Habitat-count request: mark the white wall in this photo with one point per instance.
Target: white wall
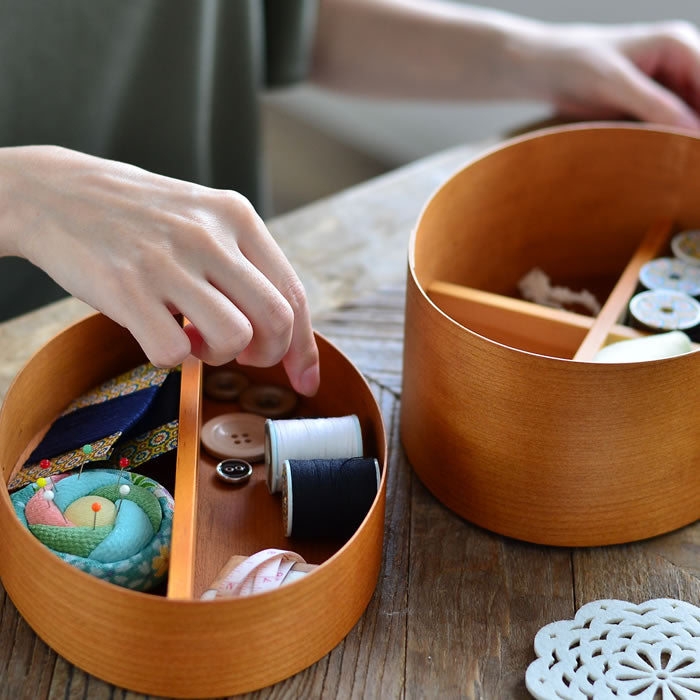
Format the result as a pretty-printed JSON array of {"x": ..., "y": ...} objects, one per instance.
[{"x": 400, "y": 132}]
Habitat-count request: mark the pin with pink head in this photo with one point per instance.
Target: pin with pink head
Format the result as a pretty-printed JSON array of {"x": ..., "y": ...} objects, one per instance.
[
  {"x": 45, "y": 465},
  {"x": 123, "y": 464}
]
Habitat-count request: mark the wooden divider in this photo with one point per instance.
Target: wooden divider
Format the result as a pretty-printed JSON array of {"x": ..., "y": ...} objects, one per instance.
[
  {"x": 654, "y": 241},
  {"x": 548, "y": 331},
  {"x": 518, "y": 323},
  {"x": 182, "y": 549}
]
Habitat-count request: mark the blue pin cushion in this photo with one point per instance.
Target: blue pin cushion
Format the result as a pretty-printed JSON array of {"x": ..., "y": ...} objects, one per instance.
[{"x": 122, "y": 537}]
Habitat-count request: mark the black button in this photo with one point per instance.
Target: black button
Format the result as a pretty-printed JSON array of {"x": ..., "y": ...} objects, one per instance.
[{"x": 234, "y": 471}]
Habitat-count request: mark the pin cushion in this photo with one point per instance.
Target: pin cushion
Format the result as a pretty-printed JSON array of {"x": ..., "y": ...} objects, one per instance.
[{"x": 127, "y": 545}]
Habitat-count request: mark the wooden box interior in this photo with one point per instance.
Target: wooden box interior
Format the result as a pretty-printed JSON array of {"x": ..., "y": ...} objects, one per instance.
[
  {"x": 169, "y": 642},
  {"x": 504, "y": 416}
]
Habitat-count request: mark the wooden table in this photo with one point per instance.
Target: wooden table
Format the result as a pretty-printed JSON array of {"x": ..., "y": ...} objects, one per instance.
[{"x": 456, "y": 607}]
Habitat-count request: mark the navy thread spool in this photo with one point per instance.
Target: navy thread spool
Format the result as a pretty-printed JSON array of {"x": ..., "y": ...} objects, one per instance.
[
  {"x": 327, "y": 497},
  {"x": 309, "y": 438},
  {"x": 665, "y": 310}
]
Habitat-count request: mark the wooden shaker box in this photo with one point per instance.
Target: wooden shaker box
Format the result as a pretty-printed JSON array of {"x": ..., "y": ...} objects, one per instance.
[
  {"x": 175, "y": 644},
  {"x": 504, "y": 417}
]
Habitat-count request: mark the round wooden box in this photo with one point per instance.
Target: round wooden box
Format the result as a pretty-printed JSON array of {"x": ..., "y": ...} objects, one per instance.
[
  {"x": 504, "y": 417},
  {"x": 175, "y": 644}
]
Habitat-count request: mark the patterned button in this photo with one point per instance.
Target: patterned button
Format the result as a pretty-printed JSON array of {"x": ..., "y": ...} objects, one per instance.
[
  {"x": 225, "y": 385},
  {"x": 235, "y": 436},
  {"x": 269, "y": 400}
]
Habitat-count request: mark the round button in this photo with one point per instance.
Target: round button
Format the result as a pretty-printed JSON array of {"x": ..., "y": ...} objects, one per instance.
[
  {"x": 234, "y": 471},
  {"x": 269, "y": 400},
  {"x": 235, "y": 436},
  {"x": 225, "y": 385}
]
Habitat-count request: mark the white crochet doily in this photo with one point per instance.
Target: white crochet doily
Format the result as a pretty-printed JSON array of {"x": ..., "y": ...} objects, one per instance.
[{"x": 613, "y": 649}]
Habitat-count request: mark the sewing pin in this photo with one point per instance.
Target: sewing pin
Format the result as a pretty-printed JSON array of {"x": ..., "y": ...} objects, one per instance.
[
  {"x": 124, "y": 491},
  {"x": 48, "y": 497},
  {"x": 123, "y": 463},
  {"x": 87, "y": 450},
  {"x": 96, "y": 508},
  {"x": 45, "y": 465},
  {"x": 41, "y": 482}
]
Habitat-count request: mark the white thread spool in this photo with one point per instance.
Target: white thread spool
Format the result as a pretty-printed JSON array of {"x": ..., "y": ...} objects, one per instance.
[
  {"x": 671, "y": 274},
  {"x": 652, "y": 347},
  {"x": 686, "y": 246},
  {"x": 309, "y": 438}
]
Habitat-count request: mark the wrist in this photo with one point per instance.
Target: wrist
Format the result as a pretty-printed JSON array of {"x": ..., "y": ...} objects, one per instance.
[
  {"x": 22, "y": 169},
  {"x": 9, "y": 196},
  {"x": 523, "y": 47}
]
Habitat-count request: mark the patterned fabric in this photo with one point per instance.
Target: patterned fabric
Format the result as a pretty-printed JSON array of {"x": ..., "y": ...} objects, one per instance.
[
  {"x": 133, "y": 415},
  {"x": 101, "y": 449},
  {"x": 142, "y": 377},
  {"x": 128, "y": 552},
  {"x": 146, "y": 447}
]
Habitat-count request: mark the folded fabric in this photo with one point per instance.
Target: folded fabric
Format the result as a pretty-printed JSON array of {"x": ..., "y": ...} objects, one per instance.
[
  {"x": 128, "y": 546},
  {"x": 133, "y": 415}
]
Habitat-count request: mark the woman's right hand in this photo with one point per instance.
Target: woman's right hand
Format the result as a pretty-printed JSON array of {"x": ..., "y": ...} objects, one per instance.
[{"x": 140, "y": 247}]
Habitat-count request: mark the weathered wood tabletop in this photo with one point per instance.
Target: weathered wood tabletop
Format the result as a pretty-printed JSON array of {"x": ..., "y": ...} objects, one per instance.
[{"x": 456, "y": 607}]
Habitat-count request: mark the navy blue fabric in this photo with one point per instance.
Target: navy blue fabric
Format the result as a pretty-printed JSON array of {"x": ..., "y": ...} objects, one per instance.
[
  {"x": 91, "y": 423},
  {"x": 164, "y": 408}
]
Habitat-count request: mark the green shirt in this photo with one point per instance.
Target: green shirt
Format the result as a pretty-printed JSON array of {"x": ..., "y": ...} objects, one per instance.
[{"x": 169, "y": 85}]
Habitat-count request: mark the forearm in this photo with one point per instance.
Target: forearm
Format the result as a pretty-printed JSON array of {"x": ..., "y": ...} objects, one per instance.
[{"x": 432, "y": 49}]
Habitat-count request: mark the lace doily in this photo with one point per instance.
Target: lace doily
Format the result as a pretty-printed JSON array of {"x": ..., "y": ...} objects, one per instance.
[{"x": 613, "y": 649}]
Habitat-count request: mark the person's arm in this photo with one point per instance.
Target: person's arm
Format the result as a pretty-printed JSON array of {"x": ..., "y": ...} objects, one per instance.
[
  {"x": 140, "y": 247},
  {"x": 445, "y": 50}
]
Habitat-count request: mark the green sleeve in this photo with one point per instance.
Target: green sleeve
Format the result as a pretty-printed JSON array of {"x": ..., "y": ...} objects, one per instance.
[{"x": 290, "y": 26}]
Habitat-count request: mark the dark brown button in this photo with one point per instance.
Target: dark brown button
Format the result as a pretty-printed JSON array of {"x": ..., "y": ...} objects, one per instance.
[
  {"x": 235, "y": 436},
  {"x": 269, "y": 400},
  {"x": 225, "y": 384},
  {"x": 234, "y": 471}
]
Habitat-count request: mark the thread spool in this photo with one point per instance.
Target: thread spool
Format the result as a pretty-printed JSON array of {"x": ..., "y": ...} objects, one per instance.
[
  {"x": 671, "y": 273},
  {"x": 651, "y": 347},
  {"x": 309, "y": 438},
  {"x": 665, "y": 310},
  {"x": 327, "y": 497},
  {"x": 686, "y": 246}
]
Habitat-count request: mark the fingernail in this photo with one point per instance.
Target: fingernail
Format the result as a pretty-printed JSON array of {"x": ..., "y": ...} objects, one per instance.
[{"x": 309, "y": 380}]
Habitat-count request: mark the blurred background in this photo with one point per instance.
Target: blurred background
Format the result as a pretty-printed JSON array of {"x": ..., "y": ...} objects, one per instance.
[{"x": 317, "y": 143}]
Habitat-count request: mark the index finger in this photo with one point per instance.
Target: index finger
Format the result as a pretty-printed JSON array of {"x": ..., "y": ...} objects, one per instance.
[{"x": 301, "y": 361}]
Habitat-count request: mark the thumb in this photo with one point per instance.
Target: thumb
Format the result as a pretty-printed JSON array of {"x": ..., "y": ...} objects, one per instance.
[{"x": 635, "y": 93}]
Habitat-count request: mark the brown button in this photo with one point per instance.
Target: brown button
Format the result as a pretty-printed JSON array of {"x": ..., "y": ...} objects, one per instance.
[
  {"x": 269, "y": 400},
  {"x": 235, "y": 436},
  {"x": 225, "y": 384}
]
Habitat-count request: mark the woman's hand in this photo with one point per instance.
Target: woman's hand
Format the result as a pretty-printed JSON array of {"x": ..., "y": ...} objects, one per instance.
[
  {"x": 647, "y": 71},
  {"x": 140, "y": 247}
]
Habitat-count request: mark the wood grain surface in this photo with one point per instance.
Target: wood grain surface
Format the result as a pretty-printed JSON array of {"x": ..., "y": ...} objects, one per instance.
[{"x": 456, "y": 608}]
